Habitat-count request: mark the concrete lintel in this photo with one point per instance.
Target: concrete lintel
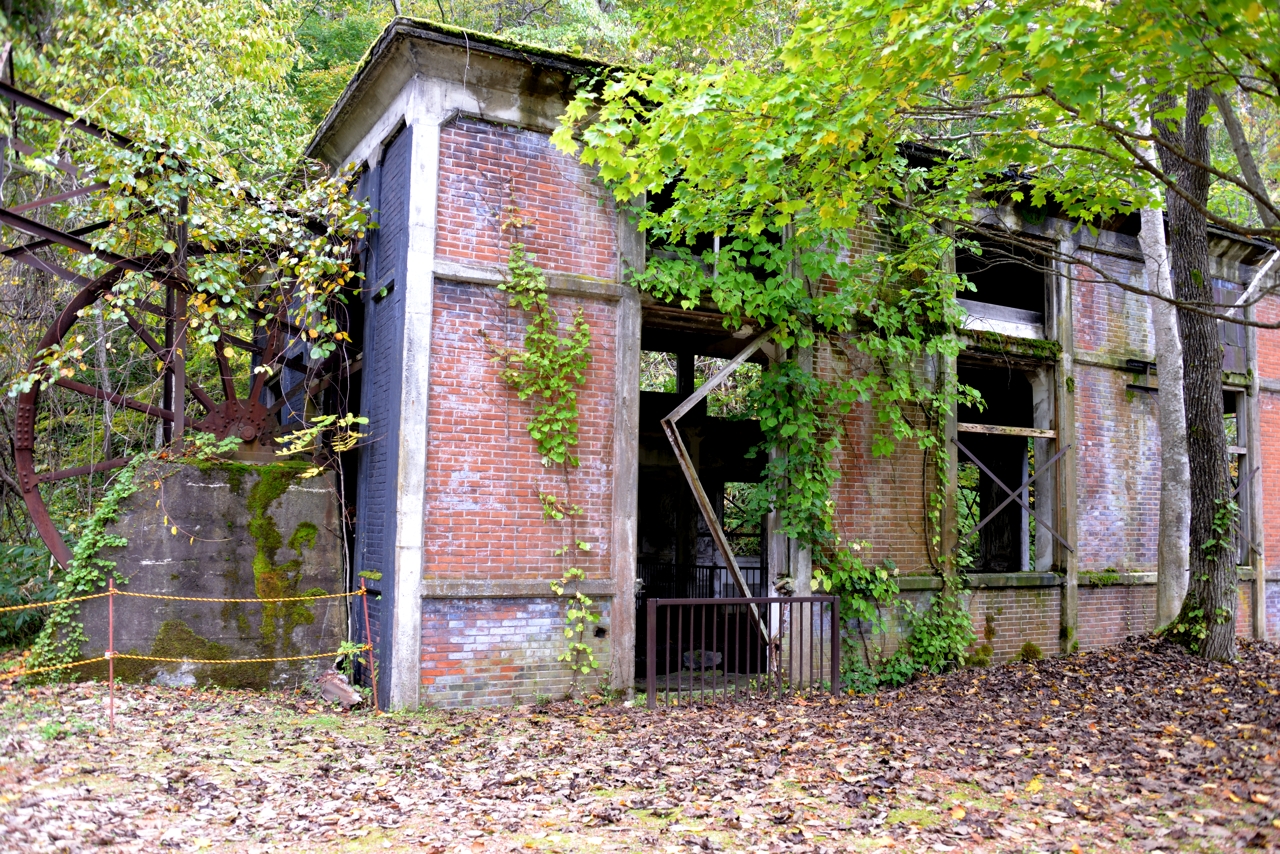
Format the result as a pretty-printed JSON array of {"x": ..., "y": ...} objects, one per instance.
[
  {"x": 984, "y": 581},
  {"x": 559, "y": 284},
  {"x": 479, "y": 588},
  {"x": 1116, "y": 579},
  {"x": 919, "y": 582},
  {"x": 1014, "y": 579}
]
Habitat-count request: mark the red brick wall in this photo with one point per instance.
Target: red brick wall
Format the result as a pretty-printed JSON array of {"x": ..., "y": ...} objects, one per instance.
[
  {"x": 880, "y": 499},
  {"x": 1117, "y": 473},
  {"x": 1268, "y": 311},
  {"x": 480, "y": 652},
  {"x": 483, "y": 516},
  {"x": 1273, "y": 611},
  {"x": 1008, "y": 618},
  {"x": 1108, "y": 615},
  {"x": 1106, "y": 318},
  {"x": 1244, "y": 610},
  {"x": 486, "y": 170},
  {"x": 1117, "y": 431},
  {"x": 484, "y": 521}
]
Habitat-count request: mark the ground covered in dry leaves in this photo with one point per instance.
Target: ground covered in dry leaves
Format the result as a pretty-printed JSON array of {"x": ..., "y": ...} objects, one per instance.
[{"x": 1139, "y": 748}]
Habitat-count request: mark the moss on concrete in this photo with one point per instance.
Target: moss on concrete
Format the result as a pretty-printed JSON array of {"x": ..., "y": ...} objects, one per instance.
[
  {"x": 278, "y": 580},
  {"x": 982, "y": 341}
]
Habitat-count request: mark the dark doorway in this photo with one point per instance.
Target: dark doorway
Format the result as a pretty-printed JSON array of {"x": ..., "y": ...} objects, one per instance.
[{"x": 677, "y": 557}]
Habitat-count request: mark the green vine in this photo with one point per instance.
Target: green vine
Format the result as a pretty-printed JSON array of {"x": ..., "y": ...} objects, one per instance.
[
  {"x": 857, "y": 330},
  {"x": 549, "y": 370},
  {"x": 1224, "y": 519},
  {"x": 63, "y": 635},
  {"x": 580, "y": 656}
]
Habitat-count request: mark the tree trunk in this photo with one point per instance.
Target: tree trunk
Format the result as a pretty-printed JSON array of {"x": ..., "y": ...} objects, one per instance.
[
  {"x": 1173, "y": 553},
  {"x": 1207, "y": 619}
]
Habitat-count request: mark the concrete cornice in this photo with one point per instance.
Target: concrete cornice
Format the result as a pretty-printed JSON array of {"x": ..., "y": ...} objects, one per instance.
[
  {"x": 482, "y": 75},
  {"x": 559, "y": 284}
]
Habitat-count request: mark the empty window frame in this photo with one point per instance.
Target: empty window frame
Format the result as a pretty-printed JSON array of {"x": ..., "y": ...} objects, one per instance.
[
  {"x": 999, "y": 443},
  {"x": 1011, "y": 285}
]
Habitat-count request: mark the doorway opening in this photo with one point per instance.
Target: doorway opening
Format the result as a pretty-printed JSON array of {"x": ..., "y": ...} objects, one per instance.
[{"x": 676, "y": 555}]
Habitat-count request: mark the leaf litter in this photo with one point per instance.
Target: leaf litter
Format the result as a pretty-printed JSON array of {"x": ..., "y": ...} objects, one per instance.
[{"x": 1134, "y": 748}]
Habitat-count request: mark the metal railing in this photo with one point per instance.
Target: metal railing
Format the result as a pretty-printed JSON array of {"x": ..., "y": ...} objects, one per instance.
[
  {"x": 712, "y": 649},
  {"x": 662, "y": 580}
]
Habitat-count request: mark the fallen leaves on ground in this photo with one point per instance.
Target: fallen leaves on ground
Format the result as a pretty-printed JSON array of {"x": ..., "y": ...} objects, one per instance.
[{"x": 1137, "y": 748}]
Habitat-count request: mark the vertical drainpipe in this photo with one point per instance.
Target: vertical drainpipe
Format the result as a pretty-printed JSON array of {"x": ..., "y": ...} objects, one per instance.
[
  {"x": 1254, "y": 487},
  {"x": 419, "y": 284},
  {"x": 626, "y": 456},
  {"x": 1067, "y": 436}
]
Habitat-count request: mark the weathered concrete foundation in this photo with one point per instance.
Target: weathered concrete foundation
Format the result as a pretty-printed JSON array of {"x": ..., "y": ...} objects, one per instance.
[{"x": 242, "y": 532}]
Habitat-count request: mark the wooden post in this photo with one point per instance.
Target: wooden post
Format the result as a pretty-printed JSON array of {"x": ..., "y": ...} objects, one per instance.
[
  {"x": 368, "y": 636},
  {"x": 111, "y": 652}
]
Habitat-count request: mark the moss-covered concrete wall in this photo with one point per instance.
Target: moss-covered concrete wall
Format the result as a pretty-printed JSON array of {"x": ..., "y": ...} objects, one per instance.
[{"x": 225, "y": 531}]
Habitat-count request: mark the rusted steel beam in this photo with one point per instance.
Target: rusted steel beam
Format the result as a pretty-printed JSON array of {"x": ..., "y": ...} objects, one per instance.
[
  {"x": 64, "y": 165},
  {"x": 691, "y": 473},
  {"x": 117, "y": 399},
  {"x": 45, "y": 232},
  {"x": 61, "y": 197},
  {"x": 319, "y": 383},
  {"x": 26, "y": 248},
  {"x": 16, "y": 95},
  {"x": 155, "y": 347},
  {"x": 63, "y": 474},
  {"x": 38, "y": 263}
]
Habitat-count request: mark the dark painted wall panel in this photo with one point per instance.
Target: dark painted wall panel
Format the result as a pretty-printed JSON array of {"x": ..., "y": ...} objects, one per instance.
[{"x": 381, "y": 380}]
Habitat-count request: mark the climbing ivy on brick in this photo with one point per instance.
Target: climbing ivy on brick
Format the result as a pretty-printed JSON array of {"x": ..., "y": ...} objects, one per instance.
[{"x": 549, "y": 369}]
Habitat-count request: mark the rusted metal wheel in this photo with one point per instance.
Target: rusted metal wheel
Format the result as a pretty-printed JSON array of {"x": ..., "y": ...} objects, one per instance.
[{"x": 139, "y": 381}]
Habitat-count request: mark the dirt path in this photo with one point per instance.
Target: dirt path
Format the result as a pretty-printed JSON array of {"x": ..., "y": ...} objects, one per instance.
[{"x": 1138, "y": 748}]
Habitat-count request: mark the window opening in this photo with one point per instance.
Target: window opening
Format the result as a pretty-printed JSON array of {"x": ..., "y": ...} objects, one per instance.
[
  {"x": 1241, "y": 475},
  {"x": 1010, "y": 283},
  {"x": 1001, "y": 523},
  {"x": 676, "y": 553},
  {"x": 659, "y": 372}
]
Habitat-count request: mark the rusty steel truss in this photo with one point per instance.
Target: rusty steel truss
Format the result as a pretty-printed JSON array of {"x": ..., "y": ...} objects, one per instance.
[{"x": 253, "y": 418}]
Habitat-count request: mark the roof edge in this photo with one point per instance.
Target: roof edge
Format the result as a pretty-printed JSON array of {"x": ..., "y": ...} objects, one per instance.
[{"x": 403, "y": 27}]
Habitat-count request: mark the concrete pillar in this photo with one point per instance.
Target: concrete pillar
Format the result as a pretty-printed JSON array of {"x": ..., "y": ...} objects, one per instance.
[
  {"x": 1254, "y": 524},
  {"x": 424, "y": 117},
  {"x": 626, "y": 460},
  {"x": 1064, "y": 388},
  {"x": 1043, "y": 388}
]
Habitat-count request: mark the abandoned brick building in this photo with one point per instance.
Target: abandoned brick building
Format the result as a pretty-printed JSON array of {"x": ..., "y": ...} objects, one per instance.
[{"x": 453, "y": 131}]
